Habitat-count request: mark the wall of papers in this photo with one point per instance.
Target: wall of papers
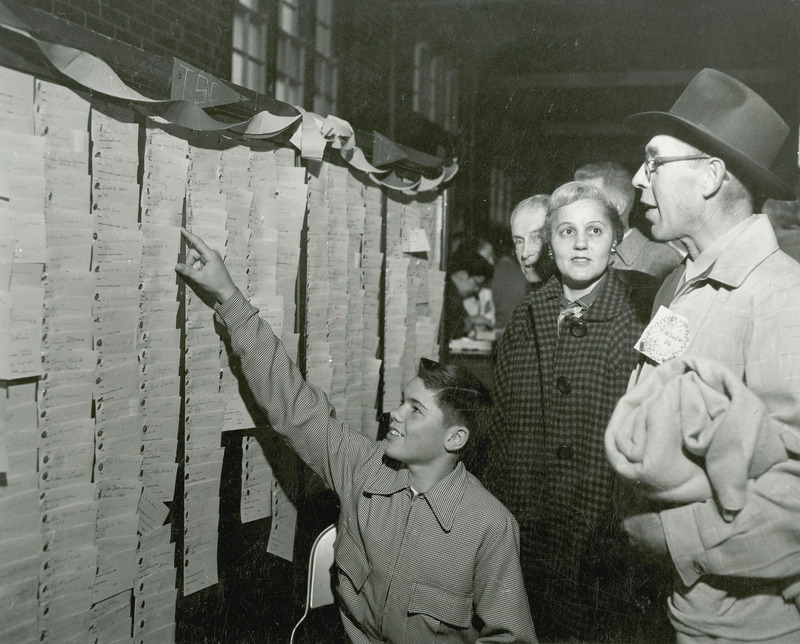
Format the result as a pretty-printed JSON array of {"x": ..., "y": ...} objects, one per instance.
[{"x": 115, "y": 387}]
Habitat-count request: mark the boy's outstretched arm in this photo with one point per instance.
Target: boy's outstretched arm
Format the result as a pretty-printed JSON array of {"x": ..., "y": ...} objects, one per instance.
[{"x": 296, "y": 409}]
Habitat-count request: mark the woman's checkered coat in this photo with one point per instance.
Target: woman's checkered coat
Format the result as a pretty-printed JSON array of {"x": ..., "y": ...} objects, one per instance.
[{"x": 555, "y": 394}]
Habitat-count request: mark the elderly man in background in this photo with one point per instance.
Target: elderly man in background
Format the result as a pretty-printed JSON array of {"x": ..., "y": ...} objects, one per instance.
[
  {"x": 636, "y": 251},
  {"x": 510, "y": 287},
  {"x": 734, "y": 302}
]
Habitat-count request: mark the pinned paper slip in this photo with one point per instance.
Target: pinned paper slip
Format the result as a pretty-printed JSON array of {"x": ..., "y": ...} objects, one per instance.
[{"x": 666, "y": 337}]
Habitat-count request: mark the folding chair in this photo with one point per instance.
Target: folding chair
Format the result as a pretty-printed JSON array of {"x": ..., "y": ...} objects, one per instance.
[{"x": 319, "y": 591}]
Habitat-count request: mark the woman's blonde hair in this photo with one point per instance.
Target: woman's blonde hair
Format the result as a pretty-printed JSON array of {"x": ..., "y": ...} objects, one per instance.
[{"x": 572, "y": 192}]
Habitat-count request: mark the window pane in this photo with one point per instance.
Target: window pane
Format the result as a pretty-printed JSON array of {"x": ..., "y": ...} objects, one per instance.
[
  {"x": 281, "y": 62},
  {"x": 250, "y": 4},
  {"x": 281, "y": 90},
  {"x": 262, "y": 55},
  {"x": 254, "y": 44},
  {"x": 324, "y": 40},
  {"x": 325, "y": 11},
  {"x": 255, "y": 76},
  {"x": 296, "y": 53},
  {"x": 239, "y": 23},
  {"x": 288, "y": 16},
  {"x": 237, "y": 69},
  {"x": 334, "y": 87}
]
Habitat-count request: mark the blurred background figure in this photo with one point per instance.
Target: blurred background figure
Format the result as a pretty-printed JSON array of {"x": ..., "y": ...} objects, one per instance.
[
  {"x": 482, "y": 303},
  {"x": 785, "y": 219},
  {"x": 509, "y": 285},
  {"x": 636, "y": 251},
  {"x": 467, "y": 271},
  {"x": 520, "y": 266},
  {"x": 527, "y": 220}
]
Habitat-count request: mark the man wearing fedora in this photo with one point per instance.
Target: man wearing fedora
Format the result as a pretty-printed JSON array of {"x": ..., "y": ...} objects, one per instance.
[{"x": 734, "y": 301}]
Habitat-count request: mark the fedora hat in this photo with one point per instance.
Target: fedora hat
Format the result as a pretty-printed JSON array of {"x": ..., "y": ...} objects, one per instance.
[{"x": 725, "y": 118}]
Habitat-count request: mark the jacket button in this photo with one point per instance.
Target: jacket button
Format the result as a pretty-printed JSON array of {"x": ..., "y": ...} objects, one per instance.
[
  {"x": 564, "y": 452},
  {"x": 563, "y": 384}
]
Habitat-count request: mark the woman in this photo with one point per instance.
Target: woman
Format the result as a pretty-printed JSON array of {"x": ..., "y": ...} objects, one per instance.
[{"x": 563, "y": 363}]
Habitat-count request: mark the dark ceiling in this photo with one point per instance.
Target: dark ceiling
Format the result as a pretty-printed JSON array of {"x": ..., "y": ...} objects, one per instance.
[{"x": 548, "y": 82}]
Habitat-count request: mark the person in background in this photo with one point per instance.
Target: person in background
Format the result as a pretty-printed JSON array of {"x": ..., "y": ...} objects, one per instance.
[
  {"x": 564, "y": 361},
  {"x": 785, "y": 219},
  {"x": 527, "y": 220},
  {"x": 734, "y": 302},
  {"x": 514, "y": 277},
  {"x": 467, "y": 272},
  {"x": 509, "y": 285},
  {"x": 636, "y": 251},
  {"x": 481, "y": 303},
  {"x": 424, "y": 553}
]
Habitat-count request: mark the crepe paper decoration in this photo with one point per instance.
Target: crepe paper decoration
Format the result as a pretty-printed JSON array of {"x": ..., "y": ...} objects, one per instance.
[
  {"x": 395, "y": 181},
  {"x": 421, "y": 159},
  {"x": 357, "y": 159},
  {"x": 339, "y": 133},
  {"x": 82, "y": 67},
  {"x": 191, "y": 84},
  {"x": 385, "y": 151},
  {"x": 312, "y": 143},
  {"x": 185, "y": 114},
  {"x": 450, "y": 171},
  {"x": 89, "y": 71},
  {"x": 265, "y": 125},
  {"x": 426, "y": 184},
  {"x": 195, "y": 89}
]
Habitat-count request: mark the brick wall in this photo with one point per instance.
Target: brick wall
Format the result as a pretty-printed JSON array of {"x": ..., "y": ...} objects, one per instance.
[{"x": 197, "y": 31}]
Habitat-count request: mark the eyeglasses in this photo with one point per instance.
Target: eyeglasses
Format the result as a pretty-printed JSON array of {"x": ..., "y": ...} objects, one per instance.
[{"x": 651, "y": 164}]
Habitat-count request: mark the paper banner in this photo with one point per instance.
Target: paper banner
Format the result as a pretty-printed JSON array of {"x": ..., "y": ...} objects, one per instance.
[
  {"x": 385, "y": 151},
  {"x": 201, "y": 88},
  {"x": 421, "y": 159}
]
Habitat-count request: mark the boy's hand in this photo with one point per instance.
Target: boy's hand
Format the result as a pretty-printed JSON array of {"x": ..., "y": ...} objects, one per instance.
[{"x": 204, "y": 267}]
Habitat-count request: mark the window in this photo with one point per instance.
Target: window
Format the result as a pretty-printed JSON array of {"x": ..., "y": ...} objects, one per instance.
[
  {"x": 291, "y": 67},
  {"x": 420, "y": 99},
  {"x": 249, "y": 64},
  {"x": 326, "y": 71},
  {"x": 435, "y": 93}
]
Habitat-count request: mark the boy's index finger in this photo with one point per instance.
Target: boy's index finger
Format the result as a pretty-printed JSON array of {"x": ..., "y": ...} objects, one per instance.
[{"x": 195, "y": 242}]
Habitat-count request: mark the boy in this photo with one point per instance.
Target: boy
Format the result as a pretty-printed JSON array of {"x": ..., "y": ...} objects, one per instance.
[{"x": 425, "y": 553}]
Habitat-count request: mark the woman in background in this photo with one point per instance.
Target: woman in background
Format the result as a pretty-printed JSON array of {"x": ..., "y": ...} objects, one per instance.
[{"x": 564, "y": 361}]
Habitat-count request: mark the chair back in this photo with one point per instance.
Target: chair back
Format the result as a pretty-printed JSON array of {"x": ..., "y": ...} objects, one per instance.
[{"x": 319, "y": 591}]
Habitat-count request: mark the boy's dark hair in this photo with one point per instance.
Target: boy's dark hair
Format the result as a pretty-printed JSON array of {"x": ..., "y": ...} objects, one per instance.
[
  {"x": 466, "y": 258},
  {"x": 461, "y": 397}
]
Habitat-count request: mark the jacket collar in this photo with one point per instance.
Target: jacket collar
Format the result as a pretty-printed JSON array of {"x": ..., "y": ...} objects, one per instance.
[
  {"x": 629, "y": 249},
  {"x": 609, "y": 303},
  {"x": 744, "y": 253},
  {"x": 443, "y": 498}
]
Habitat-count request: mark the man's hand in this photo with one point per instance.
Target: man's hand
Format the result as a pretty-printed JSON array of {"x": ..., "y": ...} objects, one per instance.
[{"x": 205, "y": 268}]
